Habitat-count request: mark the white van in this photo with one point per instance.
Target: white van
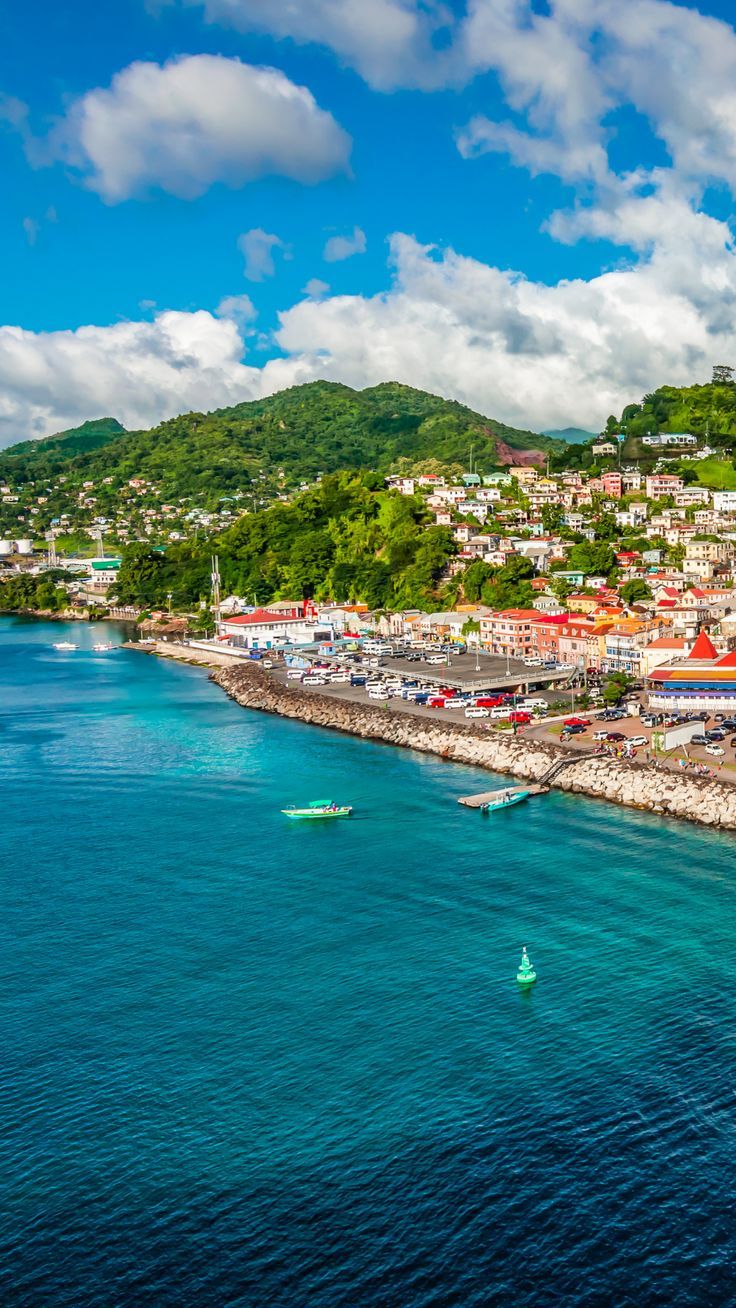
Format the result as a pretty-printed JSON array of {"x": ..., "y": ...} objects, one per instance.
[
  {"x": 378, "y": 692},
  {"x": 499, "y": 713},
  {"x": 472, "y": 711},
  {"x": 313, "y": 680},
  {"x": 532, "y": 704},
  {"x": 434, "y": 660}
]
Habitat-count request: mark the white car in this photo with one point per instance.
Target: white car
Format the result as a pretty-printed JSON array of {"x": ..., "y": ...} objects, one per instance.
[
  {"x": 638, "y": 740},
  {"x": 715, "y": 751},
  {"x": 434, "y": 660},
  {"x": 473, "y": 711},
  {"x": 601, "y": 735},
  {"x": 314, "y": 681}
]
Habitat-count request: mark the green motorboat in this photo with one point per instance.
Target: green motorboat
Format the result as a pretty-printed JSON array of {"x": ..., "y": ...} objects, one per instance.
[
  {"x": 318, "y": 808},
  {"x": 504, "y": 799},
  {"x": 526, "y": 976}
]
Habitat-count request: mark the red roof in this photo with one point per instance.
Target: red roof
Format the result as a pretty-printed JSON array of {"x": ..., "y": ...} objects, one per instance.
[
  {"x": 703, "y": 648},
  {"x": 728, "y": 660},
  {"x": 260, "y": 616}
]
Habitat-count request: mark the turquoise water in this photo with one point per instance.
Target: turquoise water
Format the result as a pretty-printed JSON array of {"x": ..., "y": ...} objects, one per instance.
[{"x": 245, "y": 1061}]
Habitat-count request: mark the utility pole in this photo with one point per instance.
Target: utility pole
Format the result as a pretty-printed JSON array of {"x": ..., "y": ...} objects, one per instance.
[{"x": 215, "y": 578}]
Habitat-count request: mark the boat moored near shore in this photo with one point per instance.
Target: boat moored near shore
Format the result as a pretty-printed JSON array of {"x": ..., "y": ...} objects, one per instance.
[{"x": 318, "y": 808}]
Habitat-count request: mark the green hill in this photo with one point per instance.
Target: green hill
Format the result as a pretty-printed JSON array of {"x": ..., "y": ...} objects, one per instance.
[
  {"x": 282, "y": 440},
  {"x": 76, "y": 440},
  {"x": 706, "y": 409}
]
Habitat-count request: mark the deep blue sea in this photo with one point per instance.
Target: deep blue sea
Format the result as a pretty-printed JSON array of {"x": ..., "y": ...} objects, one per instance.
[{"x": 248, "y": 1062}]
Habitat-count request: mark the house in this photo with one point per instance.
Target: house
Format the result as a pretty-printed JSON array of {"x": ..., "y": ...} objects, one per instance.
[
  {"x": 724, "y": 501},
  {"x": 267, "y": 629},
  {"x": 660, "y": 484},
  {"x": 509, "y": 632}
]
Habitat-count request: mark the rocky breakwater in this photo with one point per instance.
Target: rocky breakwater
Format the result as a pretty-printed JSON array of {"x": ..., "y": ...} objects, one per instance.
[{"x": 695, "y": 799}]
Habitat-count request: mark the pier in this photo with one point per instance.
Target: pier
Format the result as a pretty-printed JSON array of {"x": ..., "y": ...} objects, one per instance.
[{"x": 492, "y": 796}]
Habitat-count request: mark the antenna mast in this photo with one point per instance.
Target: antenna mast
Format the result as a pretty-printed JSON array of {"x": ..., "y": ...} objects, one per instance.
[{"x": 215, "y": 578}]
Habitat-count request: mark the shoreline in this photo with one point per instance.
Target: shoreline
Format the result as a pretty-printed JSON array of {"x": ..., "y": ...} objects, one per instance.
[{"x": 705, "y": 801}]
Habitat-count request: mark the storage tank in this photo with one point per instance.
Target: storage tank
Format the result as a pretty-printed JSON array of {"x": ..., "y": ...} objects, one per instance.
[
  {"x": 6, "y": 547},
  {"x": 24, "y": 546}
]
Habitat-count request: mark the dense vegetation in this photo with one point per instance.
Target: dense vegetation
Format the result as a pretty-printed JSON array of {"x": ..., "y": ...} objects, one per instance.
[
  {"x": 34, "y": 593},
  {"x": 347, "y": 539},
  {"x": 285, "y": 439},
  {"x": 50, "y": 455},
  {"x": 708, "y": 408}
]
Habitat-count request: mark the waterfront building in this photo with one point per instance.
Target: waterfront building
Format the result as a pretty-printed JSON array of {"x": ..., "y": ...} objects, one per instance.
[
  {"x": 704, "y": 681},
  {"x": 266, "y": 629}
]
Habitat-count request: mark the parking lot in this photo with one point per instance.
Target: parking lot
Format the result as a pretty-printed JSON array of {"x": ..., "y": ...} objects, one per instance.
[{"x": 721, "y": 757}]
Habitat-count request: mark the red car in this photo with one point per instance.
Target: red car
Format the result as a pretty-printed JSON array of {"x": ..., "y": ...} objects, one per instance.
[
  {"x": 436, "y": 702},
  {"x": 489, "y": 701},
  {"x": 575, "y": 722},
  {"x": 520, "y": 718}
]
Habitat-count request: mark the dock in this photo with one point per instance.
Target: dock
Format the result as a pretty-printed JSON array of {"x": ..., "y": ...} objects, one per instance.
[{"x": 492, "y": 796}]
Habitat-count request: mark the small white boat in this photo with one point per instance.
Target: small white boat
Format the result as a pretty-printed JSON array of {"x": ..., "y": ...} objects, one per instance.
[
  {"x": 102, "y": 645},
  {"x": 64, "y": 644}
]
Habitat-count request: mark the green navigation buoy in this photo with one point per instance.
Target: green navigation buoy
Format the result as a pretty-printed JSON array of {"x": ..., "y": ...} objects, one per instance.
[{"x": 526, "y": 976}]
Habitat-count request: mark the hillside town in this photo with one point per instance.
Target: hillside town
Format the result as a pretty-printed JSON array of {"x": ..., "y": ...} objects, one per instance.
[{"x": 625, "y": 573}]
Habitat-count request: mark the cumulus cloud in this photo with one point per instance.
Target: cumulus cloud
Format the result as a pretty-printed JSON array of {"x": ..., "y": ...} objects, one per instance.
[
  {"x": 140, "y": 371},
  {"x": 194, "y": 121},
  {"x": 338, "y": 248},
  {"x": 525, "y": 352},
  {"x": 257, "y": 248},
  {"x": 389, "y": 42}
]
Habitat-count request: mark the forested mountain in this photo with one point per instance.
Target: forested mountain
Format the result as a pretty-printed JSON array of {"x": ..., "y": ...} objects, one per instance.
[
  {"x": 287, "y": 438},
  {"x": 346, "y": 539},
  {"x": 53, "y": 451}
]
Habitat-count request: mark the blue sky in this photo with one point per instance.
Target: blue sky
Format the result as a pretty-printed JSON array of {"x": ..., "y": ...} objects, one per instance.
[{"x": 541, "y": 195}]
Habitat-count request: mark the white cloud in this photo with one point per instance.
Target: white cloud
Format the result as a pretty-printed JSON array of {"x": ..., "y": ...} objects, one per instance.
[
  {"x": 30, "y": 227},
  {"x": 389, "y": 42},
  {"x": 257, "y": 248},
  {"x": 238, "y": 307},
  {"x": 525, "y": 352},
  {"x": 194, "y": 121},
  {"x": 140, "y": 371},
  {"x": 316, "y": 288},
  {"x": 338, "y": 248}
]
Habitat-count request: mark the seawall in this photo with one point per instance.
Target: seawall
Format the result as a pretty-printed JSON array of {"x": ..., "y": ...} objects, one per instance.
[{"x": 695, "y": 799}]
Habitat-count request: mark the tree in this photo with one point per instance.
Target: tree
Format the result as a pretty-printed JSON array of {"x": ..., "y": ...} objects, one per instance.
[
  {"x": 616, "y": 686},
  {"x": 593, "y": 558},
  {"x": 634, "y": 590},
  {"x": 552, "y": 518},
  {"x": 474, "y": 578},
  {"x": 140, "y": 576}
]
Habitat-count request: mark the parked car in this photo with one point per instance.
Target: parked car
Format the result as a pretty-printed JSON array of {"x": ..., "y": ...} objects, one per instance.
[
  {"x": 615, "y": 735},
  {"x": 313, "y": 680},
  {"x": 638, "y": 740},
  {"x": 574, "y": 731},
  {"x": 715, "y": 734},
  {"x": 715, "y": 751},
  {"x": 474, "y": 711},
  {"x": 699, "y": 739},
  {"x": 600, "y": 735}
]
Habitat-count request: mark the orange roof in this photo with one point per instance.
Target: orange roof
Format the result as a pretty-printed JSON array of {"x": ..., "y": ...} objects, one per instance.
[
  {"x": 703, "y": 648},
  {"x": 667, "y": 642}
]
